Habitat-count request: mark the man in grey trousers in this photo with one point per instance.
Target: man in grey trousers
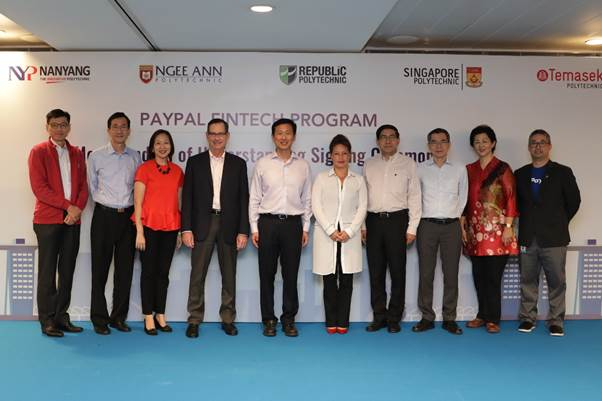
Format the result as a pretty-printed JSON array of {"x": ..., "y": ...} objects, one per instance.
[
  {"x": 548, "y": 198},
  {"x": 444, "y": 187}
]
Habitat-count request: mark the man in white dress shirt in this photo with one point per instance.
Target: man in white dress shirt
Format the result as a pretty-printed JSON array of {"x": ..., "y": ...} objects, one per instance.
[
  {"x": 393, "y": 215},
  {"x": 444, "y": 191},
  {"x": 279, "y": 214}
]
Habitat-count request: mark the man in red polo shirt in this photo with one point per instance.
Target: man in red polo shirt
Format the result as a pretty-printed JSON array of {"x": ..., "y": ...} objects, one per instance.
[{"x": 57, "y": 173}]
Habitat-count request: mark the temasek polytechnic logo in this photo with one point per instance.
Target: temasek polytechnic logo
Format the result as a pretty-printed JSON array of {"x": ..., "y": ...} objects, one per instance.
[
  {"x": 313, "y": 74},
  {"x": 184, "y": 74},
  {"x": 50, "y": 74}
]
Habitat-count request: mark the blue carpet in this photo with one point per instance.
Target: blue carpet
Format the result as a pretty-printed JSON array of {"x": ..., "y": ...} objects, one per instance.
[{"x": 434, "y": 365}]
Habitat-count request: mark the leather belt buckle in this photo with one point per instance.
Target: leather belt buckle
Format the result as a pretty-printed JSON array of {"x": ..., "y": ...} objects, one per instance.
[
  {"x": 217, "y": 212},
  {"x": 282, "y": 216},
  {"x": 384, "y": 215},
  {"x": 120, "y": 210}
]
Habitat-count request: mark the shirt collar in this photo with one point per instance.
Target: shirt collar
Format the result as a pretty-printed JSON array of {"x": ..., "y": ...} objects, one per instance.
[
  {"x": 59, "y": 147},
  {"x": 222, "y": 157},
  {"x": 293, "y": 157},
  {"x": 111, "y": 150},
  {"x": 395, "y": 156},
  {"x": 431, "y": 162},
  {"x": 349, "y": 172}
]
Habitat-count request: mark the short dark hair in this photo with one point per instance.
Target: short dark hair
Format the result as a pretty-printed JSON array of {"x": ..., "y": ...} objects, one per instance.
[
  {"x": 339, "y": 140},
  {"x": 384, "y": 127},
  {"x": 57, "y": 113},
  {"x": 483, "y": 129},
  {"x": 114, "y": 116},
  {"x": 437, "y": 131},
  {"x": 282, "y": 121},
  {"x": 218, "y": 121},
  {"x": 150, "y": 149},
  {"x": 540, "y": 131}
]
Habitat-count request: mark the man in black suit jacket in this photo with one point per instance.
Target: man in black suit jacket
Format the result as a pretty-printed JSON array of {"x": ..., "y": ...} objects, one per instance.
[
  {"x": 548, "y": 198},
  {"x": 215, "y": 201}
]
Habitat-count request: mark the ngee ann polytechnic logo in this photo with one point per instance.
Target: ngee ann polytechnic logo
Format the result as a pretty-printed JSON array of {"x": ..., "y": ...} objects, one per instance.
[
  {"x": 180, "y": 74},
  {"x": 313, "y": 74}
]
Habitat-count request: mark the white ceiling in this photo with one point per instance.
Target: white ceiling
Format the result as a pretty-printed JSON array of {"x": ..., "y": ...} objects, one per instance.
[{"x": 308, "y": 25}]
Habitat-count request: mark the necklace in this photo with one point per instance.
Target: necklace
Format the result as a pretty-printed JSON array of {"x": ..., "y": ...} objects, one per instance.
[{"x": 166, "y": 171}]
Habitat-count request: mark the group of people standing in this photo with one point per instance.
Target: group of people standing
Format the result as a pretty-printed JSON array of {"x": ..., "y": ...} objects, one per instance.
[{"x": 154, "y": 207}]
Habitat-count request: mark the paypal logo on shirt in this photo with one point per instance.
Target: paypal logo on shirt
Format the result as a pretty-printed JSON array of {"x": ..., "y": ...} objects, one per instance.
[{"x": 535, "y": 180}]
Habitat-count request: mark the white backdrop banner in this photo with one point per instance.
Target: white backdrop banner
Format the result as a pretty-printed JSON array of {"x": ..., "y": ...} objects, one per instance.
[{"x": 326, "y": 94}]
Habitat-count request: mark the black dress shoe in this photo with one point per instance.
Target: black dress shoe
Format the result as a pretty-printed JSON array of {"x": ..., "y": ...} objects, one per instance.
[
  {"x": 393, "y": 327},
  {"x": 290, "y": 330},
  {"x": 102, "y": 329},
  {"x": 451, "y": 326},
  {"x": 68, "y": 327},
  {"x": 375, "y": 326},
  {"x": 166, "y": 329},
  {"x": 423, "y": 325},
  {"x": 192, "y": 331},
  {"x": 269, "y": 328},
  {"x": 230, "y": 329},
  {"x": 121, "y": 326},
  {"x": 52, "y": 331}
]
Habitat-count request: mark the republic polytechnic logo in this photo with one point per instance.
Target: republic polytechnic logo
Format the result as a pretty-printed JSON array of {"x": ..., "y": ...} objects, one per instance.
[
  {"x": 474, "y": 76},
  {"x": 145, "y": 72},
  {"x": 288, "y": 74}
]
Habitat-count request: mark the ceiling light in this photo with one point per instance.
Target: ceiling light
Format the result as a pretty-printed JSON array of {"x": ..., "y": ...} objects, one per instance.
[
  {"x": 261, "y": 8},
  {"x": 3, "y": 33},
  {"x": 594, "y": 42}
]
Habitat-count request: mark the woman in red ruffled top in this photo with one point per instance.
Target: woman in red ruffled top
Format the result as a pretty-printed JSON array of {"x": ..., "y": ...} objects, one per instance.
[
  {"x": 158, "y": 183},
  {"x": 487, "y": 230}
]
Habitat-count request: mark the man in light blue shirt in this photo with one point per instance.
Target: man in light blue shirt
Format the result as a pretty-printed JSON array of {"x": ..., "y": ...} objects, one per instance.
[
  {"x": 111, "y": 171},
  {"x": 444, "y": 188}
]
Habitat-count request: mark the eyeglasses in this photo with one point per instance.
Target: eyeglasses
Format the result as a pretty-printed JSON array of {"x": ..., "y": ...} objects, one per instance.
[
  {"x": 217, "y": 134},
  {"x": 435, "y": 143},
  {"x": 540, "y": 144},
  {"x": 387, "y": 138},
  {"x": 116, "y": 127},
  {"x": 58, "y": 125}
]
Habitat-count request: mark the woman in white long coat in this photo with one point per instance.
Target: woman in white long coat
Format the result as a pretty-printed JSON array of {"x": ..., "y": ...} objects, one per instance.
[{"x": 339, "y": 202}]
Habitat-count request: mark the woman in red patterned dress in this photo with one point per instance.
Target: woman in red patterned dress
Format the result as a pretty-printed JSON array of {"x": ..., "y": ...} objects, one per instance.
[{"x": 487, "y": 230}]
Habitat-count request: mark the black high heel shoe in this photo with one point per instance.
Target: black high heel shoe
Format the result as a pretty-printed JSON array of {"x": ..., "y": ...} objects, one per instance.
[
  {"x": 166, "y": 329},
  {"x": 150, "y": 332}
]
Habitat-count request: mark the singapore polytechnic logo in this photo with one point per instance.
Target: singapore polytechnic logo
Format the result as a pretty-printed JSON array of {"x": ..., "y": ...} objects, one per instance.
[
  {"x": 288, "y": 74},
  {"x": 474, "y": 77},
  {"x": 145, "y": 73}
]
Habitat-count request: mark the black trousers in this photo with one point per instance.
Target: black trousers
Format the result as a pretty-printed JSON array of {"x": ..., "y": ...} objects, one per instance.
[
  {"x": 338, "y": 288},
  {"x": 112, "y": 236},
  {"x": 487, "y": 273},
  {"x": 279, "y": 239},
  {"x": 200, "y": 259},
  {"x": 155, "y": 262},
  {"x": 58, "y": 245},
  {"x": 386, "y": 247}
]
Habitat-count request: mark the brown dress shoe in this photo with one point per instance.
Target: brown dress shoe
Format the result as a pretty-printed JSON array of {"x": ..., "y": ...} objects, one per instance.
[
  {"x": 475, "y": 323},
  {"x": 493, "y": 328}
]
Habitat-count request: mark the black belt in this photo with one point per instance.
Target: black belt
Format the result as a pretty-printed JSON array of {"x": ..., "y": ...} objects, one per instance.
[
  {"x": 386, "y": 215},
  {"x": 216, "y": 212},
  {"x": 440, "y": 221},
  {"x": 115, "y": 210},
  {"x": 280, "y": 216}
]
